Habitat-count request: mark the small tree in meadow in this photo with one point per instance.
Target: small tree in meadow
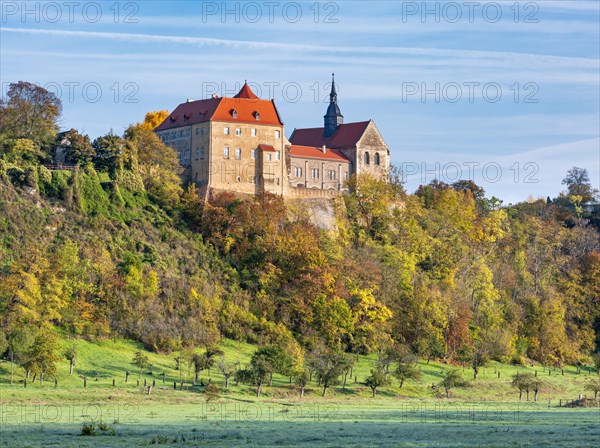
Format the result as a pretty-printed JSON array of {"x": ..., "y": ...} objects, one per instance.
[
  {"x": 406, "y": 371},
  {"x": 378, "y": 378},
  {"x": 302, "y": 379},
  {"x": 594, "y": 386},
  {"x": 141, "y": 361},
  {"x": 228, "y": 370},
  {"x": 71, "y": 356},
  {"x": 452, "y": 380}
]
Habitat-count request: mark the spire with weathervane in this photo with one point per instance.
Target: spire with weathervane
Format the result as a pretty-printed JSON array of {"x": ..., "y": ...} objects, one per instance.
[{"x": 333, "y": 117}]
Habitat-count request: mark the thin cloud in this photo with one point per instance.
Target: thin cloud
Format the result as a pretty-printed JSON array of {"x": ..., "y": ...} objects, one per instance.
[{"x": 258, "y": 45}]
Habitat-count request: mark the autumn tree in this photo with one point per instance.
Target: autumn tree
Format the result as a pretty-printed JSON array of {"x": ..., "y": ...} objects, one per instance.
[
  {"x": 158, "y": 164},
  {"x": 578, "y": 183},
  {"x": 30, "y": 112},
  {"x": 153, "y": 119}
]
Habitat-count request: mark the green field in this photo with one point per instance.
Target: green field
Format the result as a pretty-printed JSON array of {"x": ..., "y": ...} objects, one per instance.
[{"x": 487, "y": 413}]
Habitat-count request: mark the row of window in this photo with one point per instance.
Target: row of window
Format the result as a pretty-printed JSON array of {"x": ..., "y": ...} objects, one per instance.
[
  {"x": 315, "y": 173},
  {"x": 173, "y": 135},
  {"x": 376, "y": 158},
  {"x": 168, "y": 136},
  {"x": 253, "y": 132},
  {"x": 238, "y": 154}
]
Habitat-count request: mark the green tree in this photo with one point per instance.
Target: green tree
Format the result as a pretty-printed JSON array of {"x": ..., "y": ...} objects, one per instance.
[
  {"x": 594, "y": 386},
  {"x": 71, "y": 356},
  {"x": 42, "y": 357},
  {"x": 141, "y": 361},
  {"x": 77, "y": 148},
  {"x": 377, "y": 379},
  {"x": 452, "y": 380},
  {"x": 109, "y": 152}
]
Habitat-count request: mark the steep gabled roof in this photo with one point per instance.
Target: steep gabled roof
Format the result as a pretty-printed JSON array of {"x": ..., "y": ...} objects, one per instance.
[
  {"x": 246, "y": 92},
  {"x": 313, "y": 152},
  {"x": 346, "y": 136},
  {"x": 247, "y": 106}
]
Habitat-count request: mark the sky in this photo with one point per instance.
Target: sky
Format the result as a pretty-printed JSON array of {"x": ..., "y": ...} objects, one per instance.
[{"x": 504, "y": 93}]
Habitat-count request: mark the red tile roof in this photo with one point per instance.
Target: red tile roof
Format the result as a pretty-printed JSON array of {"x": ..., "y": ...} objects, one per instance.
[
  {"x": 267, "y": 147},
  {"x": 247, "y": 105},
  {"x": 346, "y": 136},
  {"x": 313, "y": 152},
  {"x": 246, "y": 92}
]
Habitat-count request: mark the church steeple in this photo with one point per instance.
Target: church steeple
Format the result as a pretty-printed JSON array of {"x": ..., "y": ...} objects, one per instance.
[{"x": 333, "y": 118}]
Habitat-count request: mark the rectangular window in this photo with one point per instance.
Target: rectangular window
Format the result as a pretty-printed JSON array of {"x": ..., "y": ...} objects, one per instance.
[
  {"x": 202, "y": 153},
  {"x": 346, "y": 175},
  {"x": 226, "y": 152},
  {"x": 277, "y": 155},
  {"x": 253, "y": 132},
  {"x": 331, "y": 174},
  {"x": 269, "y": 156},
  {"x": 238, "y": 153},
  {"x": 298, "y": 171},
  {"x": 277, "y": 134},
  {"x": 253, "y": 154},
  {"x": 197, "y": 131},
  {"x": 197, "y": 153},
  {"x": 238, "y": 131},
  {"x": 226, "y": 130},
  {"x": 314, "y": 173}
]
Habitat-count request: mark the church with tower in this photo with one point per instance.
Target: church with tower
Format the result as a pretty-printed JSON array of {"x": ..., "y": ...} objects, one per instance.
[{"x": 239, "y": 145}]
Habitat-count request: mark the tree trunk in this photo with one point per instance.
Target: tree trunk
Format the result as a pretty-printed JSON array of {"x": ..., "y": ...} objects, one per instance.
[
  {"x": 535, "y": 394},
  {"x": 301, "y": 391},
  {"x": 127, "y": 373},
  {"x": 324, "y": 390},
  {"x": 401, "y": 383},
  {"x": 374, "y": 392},
  {"x": 520, "y": 394},
  {"x": 527, "y": 390},
  {"x": 258, "y": 389},
  {"x": 70, "y": 367},
  {"x": 196, "y": 377},
  {"x": 226, "y": 382},
  {"x": 270, "y": 379},
  {"x": 12, "y": 360},
  {"x": 447, "y": 393}
]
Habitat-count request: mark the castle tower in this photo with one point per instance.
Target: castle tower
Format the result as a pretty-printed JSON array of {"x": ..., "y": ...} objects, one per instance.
[{"x": 333, "y": 118}]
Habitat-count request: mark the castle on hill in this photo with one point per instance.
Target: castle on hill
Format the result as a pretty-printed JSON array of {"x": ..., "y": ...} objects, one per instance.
[{"x": 238, "y": 144}]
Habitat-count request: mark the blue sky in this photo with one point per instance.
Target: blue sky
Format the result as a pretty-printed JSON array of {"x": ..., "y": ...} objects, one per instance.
[{"x": 507, "y": 92}]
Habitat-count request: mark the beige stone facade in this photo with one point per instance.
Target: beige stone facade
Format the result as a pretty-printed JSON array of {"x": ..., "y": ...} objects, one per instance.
[{"x": 239, "y": 145}]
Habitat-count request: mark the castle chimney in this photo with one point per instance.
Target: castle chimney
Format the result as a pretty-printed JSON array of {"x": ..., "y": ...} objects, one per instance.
[{"x": 324, "y": 149}]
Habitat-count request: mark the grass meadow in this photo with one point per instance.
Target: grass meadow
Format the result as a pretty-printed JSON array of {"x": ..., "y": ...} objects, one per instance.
[{"x": 486, "y": 413}]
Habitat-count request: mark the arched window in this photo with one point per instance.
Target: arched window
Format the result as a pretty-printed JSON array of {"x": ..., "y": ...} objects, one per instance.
[
  {"x": 367, "y": 158},
  {"x": 377, "y": 159}
]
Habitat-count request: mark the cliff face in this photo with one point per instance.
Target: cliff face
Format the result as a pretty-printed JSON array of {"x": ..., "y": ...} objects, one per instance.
[{"x": 322, "y": 212}]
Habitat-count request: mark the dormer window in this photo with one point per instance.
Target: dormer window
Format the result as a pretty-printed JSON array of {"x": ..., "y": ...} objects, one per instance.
[
  {"x": 186, "y": 117},
  {"x": 173, "y": 119},
  {"x": 257, "y": 115},
  {"x": 233, "y": 113}
]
